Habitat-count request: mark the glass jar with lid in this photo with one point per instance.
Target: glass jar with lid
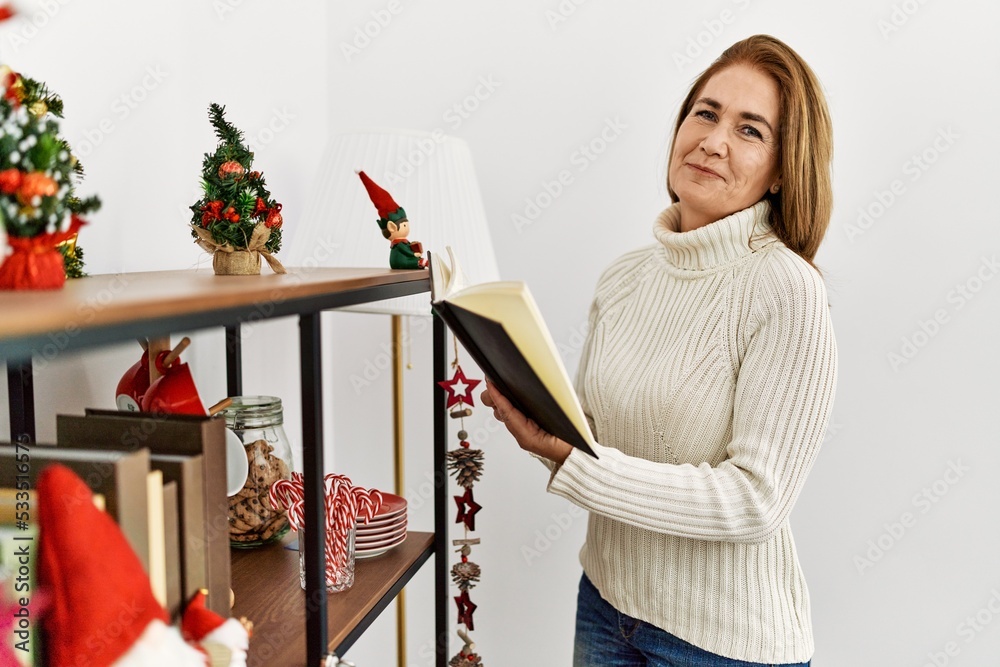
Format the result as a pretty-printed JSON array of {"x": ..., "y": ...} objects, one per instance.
[{"x": 258, "y": 422}]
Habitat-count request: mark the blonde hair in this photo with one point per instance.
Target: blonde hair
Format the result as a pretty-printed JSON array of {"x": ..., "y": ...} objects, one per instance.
[{"x": 801, "y": 209}]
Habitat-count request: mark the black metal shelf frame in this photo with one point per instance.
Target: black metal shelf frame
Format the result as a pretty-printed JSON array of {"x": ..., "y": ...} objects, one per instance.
[{"x": 18, "y": 353}]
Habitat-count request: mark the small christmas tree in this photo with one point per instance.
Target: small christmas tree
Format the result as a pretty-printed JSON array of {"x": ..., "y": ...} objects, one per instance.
[
  {"x": 38, "y": 206},
  {"x": 237, "y": 219}
]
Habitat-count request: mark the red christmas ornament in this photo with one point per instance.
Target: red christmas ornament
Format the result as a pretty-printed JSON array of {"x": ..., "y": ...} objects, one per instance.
[
  {"x": 273, "y": 219},
  {"x": 260, "y": 208},
  {"x": 36, "y": 184},
  {"x": 466, "y": 608},
  {"x": 467, "y": 510},
  {"x": 13, "y": 88},
  {"x": 231, "y": 215},
  {"x": 211, "y": 212},
  {"x": 10, "y": 181},
  {"x": 231, "y": 168},
  {"x": 453, "y": 396}
]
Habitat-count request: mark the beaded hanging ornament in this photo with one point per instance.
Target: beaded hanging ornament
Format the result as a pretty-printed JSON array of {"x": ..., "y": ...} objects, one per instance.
[
  {"x": 467, "y": 656},
  {"x": 466, "y": 465}
]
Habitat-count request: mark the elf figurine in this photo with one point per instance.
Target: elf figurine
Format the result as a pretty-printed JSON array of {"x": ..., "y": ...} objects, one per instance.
[{"x": 403, "y": 254}]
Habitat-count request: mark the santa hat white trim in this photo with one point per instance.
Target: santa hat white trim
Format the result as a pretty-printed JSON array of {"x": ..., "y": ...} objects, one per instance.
[{"x": 161, "y": 646}]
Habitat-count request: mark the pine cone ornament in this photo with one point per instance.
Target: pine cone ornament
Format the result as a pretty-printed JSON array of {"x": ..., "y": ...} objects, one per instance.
[
  {"x": 465, "y": 575},
  {"x": 467, "y": 465},
  {"x": 463, "y": 660},
  {"x": 231, "y": 168}
]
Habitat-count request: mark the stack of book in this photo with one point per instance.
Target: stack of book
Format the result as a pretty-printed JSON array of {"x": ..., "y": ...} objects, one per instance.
[{"x": 163, "y": 480}]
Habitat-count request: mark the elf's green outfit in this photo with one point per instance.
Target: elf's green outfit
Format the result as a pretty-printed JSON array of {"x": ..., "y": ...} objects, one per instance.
[
  {"x": 402, "y": 253},
  {"x": 401, "y": 256}
]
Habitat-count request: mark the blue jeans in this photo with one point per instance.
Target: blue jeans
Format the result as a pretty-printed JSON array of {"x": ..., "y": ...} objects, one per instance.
[{"x": 606, "y": 637}]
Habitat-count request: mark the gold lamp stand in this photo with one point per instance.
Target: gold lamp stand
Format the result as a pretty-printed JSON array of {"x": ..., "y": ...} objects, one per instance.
[{"x": 397, "y": 434}]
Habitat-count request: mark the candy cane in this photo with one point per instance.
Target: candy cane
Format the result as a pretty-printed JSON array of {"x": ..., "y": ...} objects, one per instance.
[
  {"x": 344, "y": 506},
  {"x": 288, "y": 495}
]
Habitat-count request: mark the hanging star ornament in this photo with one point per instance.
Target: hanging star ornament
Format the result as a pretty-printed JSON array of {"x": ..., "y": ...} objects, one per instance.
[
  {"x": 465, "y": 395},
  {"x": 467, "y": 509},
  {"x": 466, "y": 608}
]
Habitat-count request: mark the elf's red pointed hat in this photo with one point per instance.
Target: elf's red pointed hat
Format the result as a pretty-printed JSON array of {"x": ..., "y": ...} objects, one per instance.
[
  {"x": 199, "y": 621},
  {"x": 388, "y": 210},
  {"x": 213, "y": 632},
  {"x": 101, "y": 598}
]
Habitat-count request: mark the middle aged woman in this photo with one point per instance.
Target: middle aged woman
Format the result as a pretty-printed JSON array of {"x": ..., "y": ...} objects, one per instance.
[{"x": 708, "y": 377}]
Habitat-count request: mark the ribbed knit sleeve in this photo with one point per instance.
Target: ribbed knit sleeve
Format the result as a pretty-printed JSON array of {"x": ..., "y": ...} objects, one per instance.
[{"x": 782, "y": 403}]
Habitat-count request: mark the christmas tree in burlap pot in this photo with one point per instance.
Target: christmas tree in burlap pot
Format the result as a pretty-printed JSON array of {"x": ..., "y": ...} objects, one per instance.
[{"x": 236, "y": 220}]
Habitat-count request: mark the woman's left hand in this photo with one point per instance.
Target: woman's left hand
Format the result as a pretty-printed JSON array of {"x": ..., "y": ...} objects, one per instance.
[{"x": 530, "y": 437}]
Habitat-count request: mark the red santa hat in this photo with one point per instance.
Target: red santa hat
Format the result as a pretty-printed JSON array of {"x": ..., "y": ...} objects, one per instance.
[
  {"x": 211, "y": 631},
  {"x": 388, "y": 209},
  {"x": 102, "y": 608}
]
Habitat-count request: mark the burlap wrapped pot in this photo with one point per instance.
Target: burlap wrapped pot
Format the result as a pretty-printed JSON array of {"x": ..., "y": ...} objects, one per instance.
[
  {"x": 236, "y": 263},
  {"x": 230, "y": 261}
]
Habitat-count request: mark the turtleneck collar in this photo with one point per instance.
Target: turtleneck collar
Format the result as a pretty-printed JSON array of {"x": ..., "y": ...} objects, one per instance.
[{"x": 716, "y": 244}]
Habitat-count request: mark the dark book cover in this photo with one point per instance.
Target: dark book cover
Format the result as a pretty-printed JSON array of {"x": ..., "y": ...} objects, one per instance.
[{"x": 498, "y": 356}]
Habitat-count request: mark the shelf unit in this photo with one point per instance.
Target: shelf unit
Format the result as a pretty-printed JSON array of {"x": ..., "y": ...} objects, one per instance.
[{"x": 105, "y": 309}]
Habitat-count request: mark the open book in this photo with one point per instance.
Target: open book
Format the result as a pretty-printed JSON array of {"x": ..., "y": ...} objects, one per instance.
[{"x": 502, "y": 329}]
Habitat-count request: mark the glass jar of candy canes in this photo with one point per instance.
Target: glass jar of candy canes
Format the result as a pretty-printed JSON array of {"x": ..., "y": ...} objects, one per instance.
[
  {"x": 340, "y": 560},
  {"x": 345, "y": 505}
]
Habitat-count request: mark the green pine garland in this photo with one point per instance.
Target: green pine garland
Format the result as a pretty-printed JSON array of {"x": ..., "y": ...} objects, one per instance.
[
  {"x": 36, "y": 91},
  {"x": 235, "y": 199},
  {"x": 72, "y": 261}
]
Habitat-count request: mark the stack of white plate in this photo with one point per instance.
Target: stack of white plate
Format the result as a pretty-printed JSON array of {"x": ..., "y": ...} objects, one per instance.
[{"x": 386, "y": 530}]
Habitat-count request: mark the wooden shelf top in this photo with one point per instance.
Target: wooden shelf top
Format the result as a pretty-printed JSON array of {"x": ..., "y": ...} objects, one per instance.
[
  {"x": 105, "y": 301},
  {"x": 266, "y": 584}
]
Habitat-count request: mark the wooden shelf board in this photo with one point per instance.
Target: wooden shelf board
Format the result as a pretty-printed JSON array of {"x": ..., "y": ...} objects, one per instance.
[
  {"x": 266, "y": 584},
  {"x": 113, "y": 299}
]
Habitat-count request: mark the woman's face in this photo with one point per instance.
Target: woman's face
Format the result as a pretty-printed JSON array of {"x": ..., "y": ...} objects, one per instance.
[{"x": 725, "y": 154}]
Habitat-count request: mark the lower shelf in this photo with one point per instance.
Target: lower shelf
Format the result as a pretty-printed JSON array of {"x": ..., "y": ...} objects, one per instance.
[{"x": 266, "y": 584}]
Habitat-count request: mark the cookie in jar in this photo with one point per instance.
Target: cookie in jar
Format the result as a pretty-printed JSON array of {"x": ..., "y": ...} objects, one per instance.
[{"x": 257, "y": 420}]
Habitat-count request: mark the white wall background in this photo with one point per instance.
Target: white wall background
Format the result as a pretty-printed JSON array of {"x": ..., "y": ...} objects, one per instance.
[{"x": 907, "y": 81}]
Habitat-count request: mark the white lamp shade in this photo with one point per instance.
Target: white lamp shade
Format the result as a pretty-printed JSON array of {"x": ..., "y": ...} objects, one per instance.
[{"x": 429, "y": 174}]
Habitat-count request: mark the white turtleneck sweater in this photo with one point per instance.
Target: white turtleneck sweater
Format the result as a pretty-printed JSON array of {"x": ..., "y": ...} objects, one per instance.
[{"x": 708, "y": 376}]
